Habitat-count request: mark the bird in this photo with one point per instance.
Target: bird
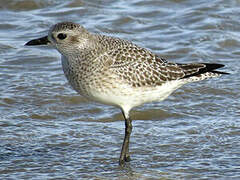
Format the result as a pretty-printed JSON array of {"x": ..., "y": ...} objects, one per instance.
[{"x": 117, "y": 72}]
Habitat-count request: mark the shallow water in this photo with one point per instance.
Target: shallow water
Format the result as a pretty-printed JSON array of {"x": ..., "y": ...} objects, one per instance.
[{"x": 48, "y": 131}]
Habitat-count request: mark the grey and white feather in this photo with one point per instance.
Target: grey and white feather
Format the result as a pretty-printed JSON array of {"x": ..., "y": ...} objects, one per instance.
[{"x": 117, "y": 72}]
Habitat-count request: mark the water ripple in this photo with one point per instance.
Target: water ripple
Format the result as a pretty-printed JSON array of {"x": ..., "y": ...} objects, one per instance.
[{"x": 48, "y": 131}]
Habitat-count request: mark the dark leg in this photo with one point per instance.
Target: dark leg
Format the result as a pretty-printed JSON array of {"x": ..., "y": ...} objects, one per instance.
[{"x": 125, "y": 156}]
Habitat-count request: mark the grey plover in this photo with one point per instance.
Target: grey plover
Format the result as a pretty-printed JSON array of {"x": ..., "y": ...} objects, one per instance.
[{"x": 117, "y": 72}]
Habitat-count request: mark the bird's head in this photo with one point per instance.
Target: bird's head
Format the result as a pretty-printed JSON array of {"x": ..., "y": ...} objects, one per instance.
[{"x": 66, "y": 37}]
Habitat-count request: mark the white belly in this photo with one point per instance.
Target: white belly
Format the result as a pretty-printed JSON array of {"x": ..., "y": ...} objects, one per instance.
[{"x": 131, "y": 96}]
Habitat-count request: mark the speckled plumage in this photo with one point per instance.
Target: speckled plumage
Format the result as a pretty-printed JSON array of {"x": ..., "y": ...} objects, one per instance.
[
  {"x": 98, "y": 65},
  {"x": 117, "y": 72}
]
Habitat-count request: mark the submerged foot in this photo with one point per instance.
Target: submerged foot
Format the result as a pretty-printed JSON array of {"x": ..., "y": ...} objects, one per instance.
[{"x": 126, "y": 158}]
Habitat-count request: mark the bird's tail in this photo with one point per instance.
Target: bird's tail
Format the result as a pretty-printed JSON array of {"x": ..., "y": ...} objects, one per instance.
[{"x": 205, "y": 71}]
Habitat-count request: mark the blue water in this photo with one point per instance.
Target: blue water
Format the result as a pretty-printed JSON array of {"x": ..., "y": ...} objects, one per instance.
[{"x": 48, "y": 131}]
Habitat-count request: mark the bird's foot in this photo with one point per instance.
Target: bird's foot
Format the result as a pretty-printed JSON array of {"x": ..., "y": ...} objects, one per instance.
[
  {"x": 127, "y": 158},
  {"x": 122, "y": 161}
]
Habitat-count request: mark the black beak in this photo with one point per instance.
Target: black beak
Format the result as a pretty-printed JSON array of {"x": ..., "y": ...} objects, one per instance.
[{"x": 41, "y": 41}]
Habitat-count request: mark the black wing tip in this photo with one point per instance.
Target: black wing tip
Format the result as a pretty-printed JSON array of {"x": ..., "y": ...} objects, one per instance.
[
  {"x": 219, "y": 72},
  {"x": 209, "y": 67},
  {"x": 212, "y": 66}
]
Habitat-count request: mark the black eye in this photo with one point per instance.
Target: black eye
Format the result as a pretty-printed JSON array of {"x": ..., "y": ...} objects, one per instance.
[{"x": 61, "y": 36}]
